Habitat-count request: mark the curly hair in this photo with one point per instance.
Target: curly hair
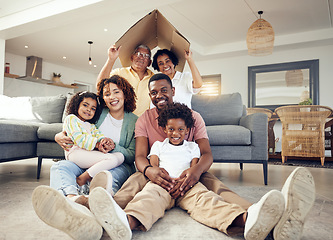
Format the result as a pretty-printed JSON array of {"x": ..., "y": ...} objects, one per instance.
[
  {"x": 176, "y": 110},
  {"x": 125, "y": 86},
  {"x": 74, "y": 104},
  {"x": 170, "y": 54}
]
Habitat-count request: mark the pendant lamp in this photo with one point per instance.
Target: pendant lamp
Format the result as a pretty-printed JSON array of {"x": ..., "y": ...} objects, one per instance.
[
  {"x": 90, "y": 42},
  {"x": 260, "y": 38}
]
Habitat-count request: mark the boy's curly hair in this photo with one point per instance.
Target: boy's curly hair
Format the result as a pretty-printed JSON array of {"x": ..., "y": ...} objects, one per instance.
[
  {"x": 176, "y": 110},
  {"x": 74, "y": 104},
  {"x": 125, "y": 86}
]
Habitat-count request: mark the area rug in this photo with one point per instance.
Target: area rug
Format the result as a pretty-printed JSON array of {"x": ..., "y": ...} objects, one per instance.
[{"x": 302, "y": 163}]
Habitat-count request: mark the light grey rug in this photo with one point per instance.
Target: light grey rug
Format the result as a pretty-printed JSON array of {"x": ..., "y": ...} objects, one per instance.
[{"x": 19, "y": 221}]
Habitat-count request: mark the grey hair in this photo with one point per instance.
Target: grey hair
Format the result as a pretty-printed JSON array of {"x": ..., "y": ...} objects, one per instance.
[{"x": 144, "y": 47}]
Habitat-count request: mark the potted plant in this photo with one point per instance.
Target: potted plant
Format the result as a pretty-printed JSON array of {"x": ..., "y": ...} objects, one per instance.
[
  {"x": 56, "y": 77},
  {"x": 307, "y": 101}
]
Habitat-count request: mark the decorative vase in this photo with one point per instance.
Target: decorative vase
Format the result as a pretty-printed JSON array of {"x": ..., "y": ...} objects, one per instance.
[{"x": 56, "y": 79}]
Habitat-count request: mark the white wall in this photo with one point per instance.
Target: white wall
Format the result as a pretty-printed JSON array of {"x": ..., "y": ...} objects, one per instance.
[
  {"x": 15, "y": 87},
  {"x": 235, "y": 77},
  {"x": 234, "y": 73}
]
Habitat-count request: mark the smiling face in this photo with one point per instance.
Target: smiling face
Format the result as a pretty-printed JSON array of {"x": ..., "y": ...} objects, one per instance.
[
  {"x": 140, "y": 60},
  {"x": 87, "y": 109},
  {"x": 165, "y": 65},
  {"x": 176, "y": 131},
  {"x": 161, "y": 93},
  {"x": 113, "y": 98}
]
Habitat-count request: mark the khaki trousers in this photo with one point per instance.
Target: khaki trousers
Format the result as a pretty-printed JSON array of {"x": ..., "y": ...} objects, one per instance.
[{"x": 210, "y": 203}]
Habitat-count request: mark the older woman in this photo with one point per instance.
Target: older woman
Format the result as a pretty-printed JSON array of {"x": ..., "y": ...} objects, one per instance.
[{"x": 186, "y": 84}]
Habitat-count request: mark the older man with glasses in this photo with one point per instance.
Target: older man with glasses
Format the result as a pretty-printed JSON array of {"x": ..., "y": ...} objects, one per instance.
[{"x": 137, "y": 74}]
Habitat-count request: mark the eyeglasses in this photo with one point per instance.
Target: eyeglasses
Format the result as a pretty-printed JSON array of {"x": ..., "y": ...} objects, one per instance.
[{"x": 143, "y": 55}]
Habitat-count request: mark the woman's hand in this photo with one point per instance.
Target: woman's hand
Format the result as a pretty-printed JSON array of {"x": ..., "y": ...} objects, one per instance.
[
  {"x": 107, "y": 145},
  {"x": 160, "y": 177},
  {"x": 188, "y": 55},
  {"x": 63, "y": 140}
]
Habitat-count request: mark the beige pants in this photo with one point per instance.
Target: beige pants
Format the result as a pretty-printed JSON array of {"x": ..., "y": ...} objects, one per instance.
[{"x": 210, "y": 203}]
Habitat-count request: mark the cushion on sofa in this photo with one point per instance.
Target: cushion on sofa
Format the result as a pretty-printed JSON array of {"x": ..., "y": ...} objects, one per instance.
[
  {"x": 229, "y": 135},
  {"x": 17, "y": 108},
  {"x": 48, "y": 131},
  {"x": 14, "y": 131},
  {"x": 219, "y": 110},
  {"x": 48, "y": 109}
]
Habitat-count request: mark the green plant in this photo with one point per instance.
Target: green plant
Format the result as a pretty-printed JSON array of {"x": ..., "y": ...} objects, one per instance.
[
  {"x": 56, "y": 74},
  {"x": 306, "y": 102}
]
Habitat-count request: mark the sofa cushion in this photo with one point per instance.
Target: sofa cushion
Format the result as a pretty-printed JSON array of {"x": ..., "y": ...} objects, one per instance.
[
  {"x": 48, "y": 109},
  {"x": 48, "y": 131},
  {"x": 18, "y": 131},
  {"x": 17, "y": 108},
  {"x": 219, "y": 110},
  {"x": 232, "y": 135}
]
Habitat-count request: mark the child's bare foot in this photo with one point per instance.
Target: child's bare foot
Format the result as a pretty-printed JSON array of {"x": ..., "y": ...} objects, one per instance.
[{"x": 83, "y": 178}]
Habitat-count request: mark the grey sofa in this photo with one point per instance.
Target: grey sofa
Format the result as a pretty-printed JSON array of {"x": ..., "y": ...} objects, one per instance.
[
  {"x": 234, "y": 137},
  {"x": 29, "y": 126}
]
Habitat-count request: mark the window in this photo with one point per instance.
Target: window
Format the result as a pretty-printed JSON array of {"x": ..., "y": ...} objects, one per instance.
[{"x": 211, "y": 85}]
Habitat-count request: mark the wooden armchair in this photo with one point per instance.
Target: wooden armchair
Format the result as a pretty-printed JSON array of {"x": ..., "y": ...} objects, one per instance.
[{"x": 303, "y": 130}]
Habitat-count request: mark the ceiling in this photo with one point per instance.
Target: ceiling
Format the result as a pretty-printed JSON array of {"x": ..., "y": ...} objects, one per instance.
[{"x": 215, "y": 28}]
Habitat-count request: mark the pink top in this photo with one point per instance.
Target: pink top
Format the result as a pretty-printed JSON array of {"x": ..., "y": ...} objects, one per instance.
[{"x": 147, "y": 126}]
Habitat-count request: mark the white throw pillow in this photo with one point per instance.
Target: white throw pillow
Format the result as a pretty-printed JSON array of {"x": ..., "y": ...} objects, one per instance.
[{"x": 18, "y": 108}]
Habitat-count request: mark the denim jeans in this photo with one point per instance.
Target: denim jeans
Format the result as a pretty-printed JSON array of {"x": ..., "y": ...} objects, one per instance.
[{"x": 63, "y": 177}]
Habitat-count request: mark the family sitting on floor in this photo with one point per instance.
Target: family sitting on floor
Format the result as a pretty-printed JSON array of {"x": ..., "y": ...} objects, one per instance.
[{"x": 145, "y": 118}]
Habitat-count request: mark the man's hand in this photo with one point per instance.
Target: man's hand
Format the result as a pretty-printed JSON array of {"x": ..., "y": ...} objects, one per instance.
[
  {"x": 63, "y": 140},
  {"x": 185, "y": 181},
  {"x": 113, "y": 52},
  {"x": 160, "y": 177}
]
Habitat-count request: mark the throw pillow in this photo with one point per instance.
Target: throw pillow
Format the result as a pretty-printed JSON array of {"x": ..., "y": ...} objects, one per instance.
[
  {"x": 17, "y": 108},
  {"x": 48, "y": 109}
]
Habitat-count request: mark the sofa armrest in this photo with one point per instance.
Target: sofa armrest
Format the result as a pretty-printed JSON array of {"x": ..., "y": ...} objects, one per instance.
[{"x": 257, "y": 123}]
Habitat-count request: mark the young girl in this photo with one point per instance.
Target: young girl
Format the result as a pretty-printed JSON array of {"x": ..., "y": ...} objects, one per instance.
[{"x": 83, "y": 111}]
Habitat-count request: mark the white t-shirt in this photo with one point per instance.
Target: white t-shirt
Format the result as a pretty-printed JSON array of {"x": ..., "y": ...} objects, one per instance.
[
  {"x": 175, "y": 159},
  {"x": 111, "y": 128}
]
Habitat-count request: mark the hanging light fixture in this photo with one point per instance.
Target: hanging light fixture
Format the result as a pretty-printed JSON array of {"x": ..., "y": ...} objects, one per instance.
[
  {"x": 90, "y": 42},
  {"x": 294, "y": 78},
  {"x": 260, "y": 37}
]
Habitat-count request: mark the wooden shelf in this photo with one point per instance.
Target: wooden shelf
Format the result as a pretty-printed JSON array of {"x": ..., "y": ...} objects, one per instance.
[
  {"x": 42, "y": 81},
  {"x": 60, "y": 84},
  {"x": 11, "y": 75}
]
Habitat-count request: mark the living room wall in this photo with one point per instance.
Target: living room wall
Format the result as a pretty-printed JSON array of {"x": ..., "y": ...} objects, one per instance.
[
  {"x": 234, "y": 75},
  {"x": 15, "y": 87}
]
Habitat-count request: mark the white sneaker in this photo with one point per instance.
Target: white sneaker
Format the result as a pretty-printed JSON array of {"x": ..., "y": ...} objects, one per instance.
[
  {"x": 299, "y": 193},
  {"x": 61, "y": 213},
  {"x": 263, "y": 215},
  {"x": 109, "y": 214},
  {"x": 102, "y": 179}
]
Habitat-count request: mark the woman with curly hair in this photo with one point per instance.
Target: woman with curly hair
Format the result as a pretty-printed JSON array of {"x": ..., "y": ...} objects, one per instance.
[
  {"x": 83, "y": 111},
  {"x": 116, "y": 122}
]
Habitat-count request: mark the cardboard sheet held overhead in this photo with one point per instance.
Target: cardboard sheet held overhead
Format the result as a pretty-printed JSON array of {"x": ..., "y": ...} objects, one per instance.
[{"x": 153, "y": 30}]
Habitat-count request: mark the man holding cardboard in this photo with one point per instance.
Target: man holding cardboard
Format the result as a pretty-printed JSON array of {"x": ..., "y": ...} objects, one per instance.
[{"x": 137, "y": 74}]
